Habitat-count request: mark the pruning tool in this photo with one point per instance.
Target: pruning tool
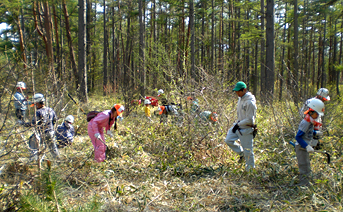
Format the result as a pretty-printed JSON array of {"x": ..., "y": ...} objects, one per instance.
[
  {"x": 328, "y": 156},
  {"x": 76, "y": 103}
]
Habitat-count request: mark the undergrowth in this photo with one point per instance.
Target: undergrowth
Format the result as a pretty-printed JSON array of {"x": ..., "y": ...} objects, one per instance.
[{"x": 164, "y": 167}]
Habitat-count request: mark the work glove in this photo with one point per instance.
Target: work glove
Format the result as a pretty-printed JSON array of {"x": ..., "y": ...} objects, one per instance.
[
  {"x": 109, "y": 132},
  {"x": 97, "y": 136},
  {"x": 318, "y": 133},
  {"x": 309, "y": 148},
  {"x": 235, "y": 128}
]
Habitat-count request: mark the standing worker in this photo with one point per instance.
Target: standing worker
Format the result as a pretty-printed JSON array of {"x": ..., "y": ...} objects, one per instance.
[
  {"x": 95, "y": 130},
  {"x": 65, "y": 132},
  {"x": 304, "y": 136},
  {"x": 243, "y": 128},
  {"x": 21, "y": 102},
  {"x": 322, "y": 95},
  {"x": 44, "y": 119}
]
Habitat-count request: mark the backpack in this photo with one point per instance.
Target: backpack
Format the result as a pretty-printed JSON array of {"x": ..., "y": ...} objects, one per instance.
[{"x": 91, "y": 115}]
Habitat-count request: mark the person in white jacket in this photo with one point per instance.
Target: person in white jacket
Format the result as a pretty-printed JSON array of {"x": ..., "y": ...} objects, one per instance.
[{"x": 243, "y": 127}]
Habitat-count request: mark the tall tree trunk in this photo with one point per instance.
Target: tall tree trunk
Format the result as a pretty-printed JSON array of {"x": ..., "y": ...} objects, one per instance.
[
  {"x": 340, "y": 60},
  {"x": 332, "y": 75},
  {"x": 113, "y": 56},
  {"x": 203, "y": 5},
  {"x": 89, "y": 41},
  {"x": 141, "y": 50},
  {"x": 255, "y": 75},
  {"x": 105, "y": 74},
  {"x": 295, "y": 57},
  {"x": 82, "y": 94},
  {"x": 270, "y": 50},
  {"x": 323, "y": 77},
  {"x": 57, "y": 42},
  {"x": 48, "y": 33},
  {"x": 21, "y": 42},
  {"x": 191, "y": 24},
  {"x": 263, "y": 63},
  {"x": 313, "y": 66},
  {"x": 212, "y": 38},
  {"x": 70, "y": 44},
  {"x": 282, "y": 64},
  {"x": 334, "y": 59}
]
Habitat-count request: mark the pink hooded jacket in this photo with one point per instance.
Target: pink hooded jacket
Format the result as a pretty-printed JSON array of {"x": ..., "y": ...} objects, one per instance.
[{"x": 96, "y": 125}]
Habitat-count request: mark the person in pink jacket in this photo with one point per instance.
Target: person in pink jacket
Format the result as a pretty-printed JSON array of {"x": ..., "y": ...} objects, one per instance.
[{"x": 95, "y": 130}]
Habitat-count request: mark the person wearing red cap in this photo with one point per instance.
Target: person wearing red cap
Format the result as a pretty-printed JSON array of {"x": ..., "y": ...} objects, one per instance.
[{"x": 95, "y": 130}]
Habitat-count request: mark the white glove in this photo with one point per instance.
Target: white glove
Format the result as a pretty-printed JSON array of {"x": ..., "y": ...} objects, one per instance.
[
  {"x": 97, "y": 135},
  {"x": 319, "y": 133},
  {"x": 309, "y": 148},
  {"x": 109, "y": 132}
]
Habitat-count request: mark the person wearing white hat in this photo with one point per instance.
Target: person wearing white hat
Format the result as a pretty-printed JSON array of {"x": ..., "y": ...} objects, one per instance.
[
  {"x": 305, "y": 133},
  {"x": 65, "y": 132},
  {"x": 44, "y": 119},
  {"x": 162, "y": 97},
  {"x": 21, "y": 102},
  {"x": 147, "y": 112},
  {"x": 322, "y": 95}
]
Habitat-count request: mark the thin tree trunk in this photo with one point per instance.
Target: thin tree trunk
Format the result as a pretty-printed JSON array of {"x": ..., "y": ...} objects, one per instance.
[
  {"x": 282, "y": 64},
  {"x": 263, "y": 70},
  {"x": 295, "y": 57},
  {"x": 70, "y": 43},
  {"x": 21, "y": 42},
  {"x": 82, "y": 94},
  {"x": 57, "y": 42},
  {"x": 105, "y": 74},
  {"x": 191, "y": 24},
  {"x": 141, "y": 50}
]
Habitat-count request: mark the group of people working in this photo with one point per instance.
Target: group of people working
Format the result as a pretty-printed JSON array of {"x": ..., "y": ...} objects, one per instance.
[
  {"x": 244, "y": 129},
  {"x": 44, "y": 119}
]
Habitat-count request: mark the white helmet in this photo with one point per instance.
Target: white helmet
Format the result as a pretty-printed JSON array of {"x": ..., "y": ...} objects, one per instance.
[
  {"x": 147, "y": 102},
  {"x": 317, "y": 105},
  {"x": 69, "y": 119},
  {"x": 38, "y": 97},
  {"x": 323, "y": 92},
  {"x": 159, "y": 92},
  {"x": 21, "y": 85}
]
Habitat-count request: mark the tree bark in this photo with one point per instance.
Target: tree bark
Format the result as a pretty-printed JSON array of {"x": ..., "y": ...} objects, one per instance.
[
  {"x": 141, "y": 50},
  {"x": 70, "y": 44},
  {"x": 82, "y": 94},
  {"x": 270, "y": 51},
  {"x": 105, "y": 74}
]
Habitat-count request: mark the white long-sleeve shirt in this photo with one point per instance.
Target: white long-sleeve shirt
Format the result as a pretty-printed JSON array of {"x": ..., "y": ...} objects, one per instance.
[{"x": 246, "y": 110}]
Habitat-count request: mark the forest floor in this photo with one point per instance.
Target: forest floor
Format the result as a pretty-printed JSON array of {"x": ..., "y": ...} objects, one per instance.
[{"x": 165, "y": 167}]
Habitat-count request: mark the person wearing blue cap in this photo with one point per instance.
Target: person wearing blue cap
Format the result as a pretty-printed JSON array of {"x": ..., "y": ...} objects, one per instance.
[{"x": 243, "y": 128}]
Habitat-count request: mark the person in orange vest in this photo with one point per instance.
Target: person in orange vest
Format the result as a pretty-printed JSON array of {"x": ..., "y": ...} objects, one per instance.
[
  {"x": 322, "y": 95},
  {"x": 306, "y": 131}
]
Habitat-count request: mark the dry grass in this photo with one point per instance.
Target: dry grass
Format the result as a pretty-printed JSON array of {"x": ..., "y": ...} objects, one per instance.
[{"x": 168, "y": 168}]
